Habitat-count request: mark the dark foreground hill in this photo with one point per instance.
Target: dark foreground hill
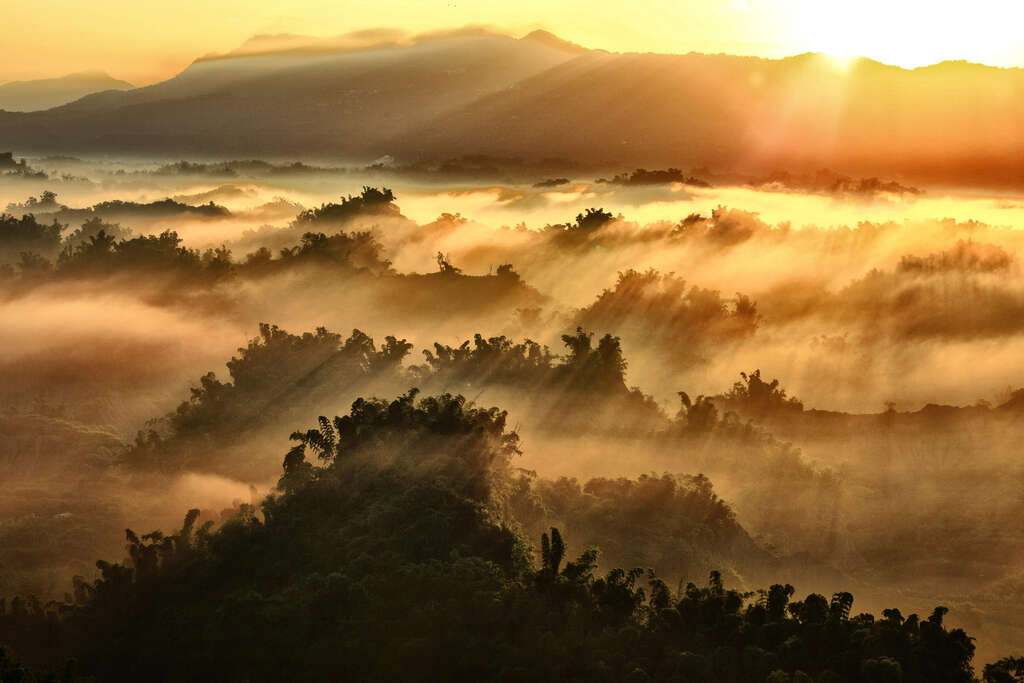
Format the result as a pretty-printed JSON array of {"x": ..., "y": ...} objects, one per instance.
[{"x": 386, "y": 556}]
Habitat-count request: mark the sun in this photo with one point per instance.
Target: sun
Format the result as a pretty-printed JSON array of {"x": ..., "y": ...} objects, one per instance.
[{"x": 909, "y": 33}]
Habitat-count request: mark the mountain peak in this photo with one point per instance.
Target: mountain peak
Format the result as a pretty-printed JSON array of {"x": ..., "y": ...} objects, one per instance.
[
  {"x": 90, "y": 74},
  {"x": 47, "y": 93},
  {"x": 549, "y": 38}
]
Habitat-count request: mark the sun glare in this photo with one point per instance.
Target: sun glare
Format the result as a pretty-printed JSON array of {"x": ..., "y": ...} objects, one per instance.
[{"x": 910, "y": 33}]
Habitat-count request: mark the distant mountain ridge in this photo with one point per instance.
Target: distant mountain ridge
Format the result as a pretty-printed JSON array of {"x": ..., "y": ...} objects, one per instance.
[
  {"x": 361, "y": 96},
  {"x": 36, "y": 95}
]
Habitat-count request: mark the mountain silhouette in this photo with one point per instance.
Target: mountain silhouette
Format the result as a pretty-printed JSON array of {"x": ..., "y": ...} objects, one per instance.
[
  {"x": 290, "y": 102},
  {"x": 362, "y": 96},
  {"x": 26, "y": 96}
]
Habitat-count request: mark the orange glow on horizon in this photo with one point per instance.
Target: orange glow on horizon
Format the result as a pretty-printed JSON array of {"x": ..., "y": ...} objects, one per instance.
[{"x": 148, "y": 42}]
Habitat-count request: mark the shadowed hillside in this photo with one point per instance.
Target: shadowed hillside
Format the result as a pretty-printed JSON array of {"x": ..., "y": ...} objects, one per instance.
[
  {"x": 53, "y": 92},
  {"x": 334, "y": 102},
  {"x": 471, "y": 93}
]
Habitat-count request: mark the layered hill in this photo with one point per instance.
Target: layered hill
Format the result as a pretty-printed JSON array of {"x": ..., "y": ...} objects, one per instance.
[
  {"x": 27, "y": 96},
  {"x": 541, "y": 98},
  {"x": 291, "y": 102},
  {"x": 951, "y": 121}
]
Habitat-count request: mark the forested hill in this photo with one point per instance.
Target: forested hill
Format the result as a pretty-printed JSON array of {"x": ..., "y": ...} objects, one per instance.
[
  {"x": 389, "y": 554},
  {"x": 593, "y": 532}
]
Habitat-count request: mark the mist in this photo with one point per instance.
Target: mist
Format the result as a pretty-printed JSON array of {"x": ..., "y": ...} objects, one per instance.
[{"x": 168, "y": 325}]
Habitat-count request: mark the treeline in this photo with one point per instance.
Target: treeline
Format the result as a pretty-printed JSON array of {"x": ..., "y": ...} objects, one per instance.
[
  {"x": 682, "y": 321},
  {"x": 96, "y": 250},
  {"x": 388, "y": 554},
  {"x": 578, "y": 409},
  {"x": 279, "y": 374},
  {"x": 11, "y": 168},
  {"x": 642, "y": 176},
  {"x": 579, "y": 397},
  {"x": 237, "y": 169},
  {"x": 47, "y": 206},
  {"x": 273, "y": 377},
  {"x": 30, "y": 249}
]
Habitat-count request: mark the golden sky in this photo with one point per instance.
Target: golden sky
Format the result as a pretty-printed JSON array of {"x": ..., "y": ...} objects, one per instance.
[{"x": 144, "y": 41}]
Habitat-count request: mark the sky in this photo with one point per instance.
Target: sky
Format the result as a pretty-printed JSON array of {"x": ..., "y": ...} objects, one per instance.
[{"x": 145, "y": 41}]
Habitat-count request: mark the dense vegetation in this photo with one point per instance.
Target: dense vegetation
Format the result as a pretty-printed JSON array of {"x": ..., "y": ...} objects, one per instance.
[
  {"x": 370, "y": 200},
  {"x": 642, "y": 176},
  {"x": 272, "y": 378},
  {"x": 101, "y": 249},
  {"x": 281, "y": 377},
  {"x": 398, "y": 544},
  {"x": 313, "y": 249},
  {"x": 682, "y": 321},
  {"x": 387, "y": 554}
]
